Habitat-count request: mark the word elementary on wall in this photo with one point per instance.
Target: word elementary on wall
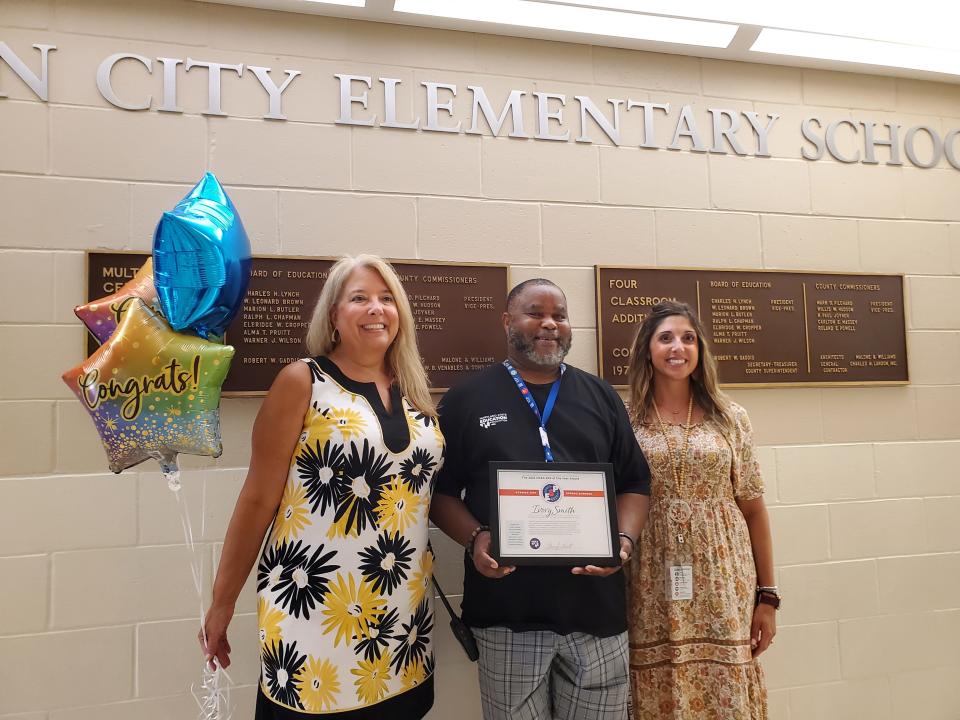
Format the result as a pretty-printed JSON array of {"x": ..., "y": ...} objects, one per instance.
[{"x": 727, "y": 129}]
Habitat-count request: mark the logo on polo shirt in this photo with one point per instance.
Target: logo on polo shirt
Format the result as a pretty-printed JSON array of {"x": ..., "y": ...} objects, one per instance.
[{"x": 488, "y": 421}]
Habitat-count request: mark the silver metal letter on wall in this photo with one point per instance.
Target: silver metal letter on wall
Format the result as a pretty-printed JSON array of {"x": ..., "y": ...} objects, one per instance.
[
  {"x": 434, "y": 106},
  {"x": 831, "y": 137},
  {"x": 649, "y": 139},
  {"x": 544, "y": 116},
  {"x": 390, "y": 106},
  {"x": 870, "y": 143},
  {"x": 588, "y": 107},
  {"x": 275, "y": 93},
  {"x": 806, "y": 129},
  {"x": 347, "y": 100},
  {"x": 105, "y": 86},
  {"x": 513, "y": 106},
  {"x": 908, "y": 139},
  {"x": 170, "y": 85},
  {"x": 40, "y": 85},
  {"x": 213, "y": 81},
  {"x": 687, "y": 127}
]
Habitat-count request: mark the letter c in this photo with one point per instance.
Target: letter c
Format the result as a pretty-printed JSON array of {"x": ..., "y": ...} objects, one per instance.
[
  {"x": 106, "y": 87},
  {"x": 832, "y": 144}
]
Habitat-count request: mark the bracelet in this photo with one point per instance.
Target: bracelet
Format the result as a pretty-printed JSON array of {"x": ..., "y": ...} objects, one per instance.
[
  {"x": 772, "y": 589},
  {"x": 633, "y": 543},
  {"x": 473, "y": 537},
  {"x": 767, "y": 597}
]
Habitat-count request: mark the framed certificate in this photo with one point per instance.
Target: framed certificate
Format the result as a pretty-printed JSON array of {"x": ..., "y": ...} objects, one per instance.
[{"x": 553, "y": 514}]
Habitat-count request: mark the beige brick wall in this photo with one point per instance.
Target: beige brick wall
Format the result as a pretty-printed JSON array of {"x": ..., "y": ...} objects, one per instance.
[{"x": 96, "y": 600}]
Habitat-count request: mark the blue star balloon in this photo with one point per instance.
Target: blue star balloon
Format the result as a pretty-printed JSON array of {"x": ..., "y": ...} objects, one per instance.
[{"x": 201, "y": 260}]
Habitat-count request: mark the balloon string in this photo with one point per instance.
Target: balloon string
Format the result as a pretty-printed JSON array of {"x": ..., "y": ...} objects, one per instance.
[
  {"x": 212, "y": 698},
  {"x": 213, "y": 694}
]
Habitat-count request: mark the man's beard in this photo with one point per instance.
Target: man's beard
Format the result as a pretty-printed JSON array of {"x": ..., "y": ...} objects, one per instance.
[{"x": 526, "y": 348}]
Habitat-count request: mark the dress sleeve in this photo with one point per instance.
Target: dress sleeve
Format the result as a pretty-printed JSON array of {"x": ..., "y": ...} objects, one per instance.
[
  {"x": 450, "y": 479},
  {"x": 745, "y": 469}
]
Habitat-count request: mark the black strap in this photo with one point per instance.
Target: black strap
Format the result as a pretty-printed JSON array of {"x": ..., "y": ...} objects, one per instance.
[{"x": 460, "y": 629}]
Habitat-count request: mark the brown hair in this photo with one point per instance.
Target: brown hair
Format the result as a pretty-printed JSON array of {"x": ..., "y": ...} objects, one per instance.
[
  {"x": 703, "y": 379},
  {"x": 403, "y": 356}
]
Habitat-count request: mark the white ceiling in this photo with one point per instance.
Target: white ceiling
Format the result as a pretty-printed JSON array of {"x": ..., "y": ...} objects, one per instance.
[{"x": 895, "y": 32}]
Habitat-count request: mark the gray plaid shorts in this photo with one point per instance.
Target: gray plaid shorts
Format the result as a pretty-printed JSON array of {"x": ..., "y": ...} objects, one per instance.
[{"x": 540, "y": 675}]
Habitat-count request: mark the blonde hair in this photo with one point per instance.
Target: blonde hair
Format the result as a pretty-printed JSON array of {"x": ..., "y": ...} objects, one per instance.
[
  {"x": 403, "y": 356},
  {"x": 703, "y": 379}
]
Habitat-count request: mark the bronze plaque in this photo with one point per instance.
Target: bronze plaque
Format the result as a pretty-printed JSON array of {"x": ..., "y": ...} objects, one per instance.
[
  {"x": 765, "y": 327},
  {"x": 457, "y": 309}
]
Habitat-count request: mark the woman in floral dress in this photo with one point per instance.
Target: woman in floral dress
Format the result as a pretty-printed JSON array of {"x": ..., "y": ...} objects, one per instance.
[
  {"x": 345, "y": 450},
  {"x": 701, "y": 595}
]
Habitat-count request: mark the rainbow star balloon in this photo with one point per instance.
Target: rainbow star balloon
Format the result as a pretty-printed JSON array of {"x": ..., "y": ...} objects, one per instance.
[
  {"x": 102, "y": 316},
  {"x": 153, "y": 392}
]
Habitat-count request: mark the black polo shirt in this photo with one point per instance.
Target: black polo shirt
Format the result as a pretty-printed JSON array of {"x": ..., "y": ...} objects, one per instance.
[{"x": 485, "y": 419}]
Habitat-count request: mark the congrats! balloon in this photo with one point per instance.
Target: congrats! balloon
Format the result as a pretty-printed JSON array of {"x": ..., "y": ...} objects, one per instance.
[
  {"x": 201, "y": 260},
  {"x": 152, "y": 392},
  {"x": 102, "y": 316}
]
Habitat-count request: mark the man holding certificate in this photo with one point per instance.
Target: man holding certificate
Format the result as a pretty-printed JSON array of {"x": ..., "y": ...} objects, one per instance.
[{"x": 546, "y": 487}]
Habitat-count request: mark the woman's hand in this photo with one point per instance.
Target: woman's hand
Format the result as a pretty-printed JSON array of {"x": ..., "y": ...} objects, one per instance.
[
  {"x": 482, "y": 561},
  {"x": 763, "y": 629},
  {"x": 215, "y": 628}
]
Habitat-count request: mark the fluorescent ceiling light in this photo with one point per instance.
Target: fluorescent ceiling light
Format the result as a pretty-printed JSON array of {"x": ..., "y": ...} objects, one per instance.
[
  {"x": 351, "y": 3},
  {"x": 929, "y": 23},
  {"x": 569, "y": 18},
  {"x": 868, "y": 52}
]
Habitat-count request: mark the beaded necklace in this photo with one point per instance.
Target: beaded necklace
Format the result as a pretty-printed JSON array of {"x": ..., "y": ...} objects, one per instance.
[{"x": 679, "y": 510}]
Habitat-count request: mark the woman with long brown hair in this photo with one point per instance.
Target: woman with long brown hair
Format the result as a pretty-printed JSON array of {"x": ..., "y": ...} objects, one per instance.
[{"x": 701, "y": 594}]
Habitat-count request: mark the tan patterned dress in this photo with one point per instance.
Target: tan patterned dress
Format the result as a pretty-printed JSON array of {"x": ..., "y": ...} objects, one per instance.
[{"x": 691, "y": 659}]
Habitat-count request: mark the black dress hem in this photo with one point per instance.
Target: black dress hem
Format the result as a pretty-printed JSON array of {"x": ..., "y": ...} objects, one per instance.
[{"x": 412, "y": 704}]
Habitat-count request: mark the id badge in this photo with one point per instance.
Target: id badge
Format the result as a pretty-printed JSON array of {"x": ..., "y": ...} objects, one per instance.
[{"x": 679, "y": 582}]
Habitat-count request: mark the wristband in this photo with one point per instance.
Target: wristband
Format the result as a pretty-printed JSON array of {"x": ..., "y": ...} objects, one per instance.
[
  {"x": 768, "y": 595},
  {"x": 768, "y": 599},
  {"x": 633, "y": 543},
  {"x": 473, "y": 537}
]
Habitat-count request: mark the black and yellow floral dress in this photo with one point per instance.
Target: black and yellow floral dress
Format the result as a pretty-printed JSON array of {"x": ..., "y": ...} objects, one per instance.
[{"x": 345, "y": 606}]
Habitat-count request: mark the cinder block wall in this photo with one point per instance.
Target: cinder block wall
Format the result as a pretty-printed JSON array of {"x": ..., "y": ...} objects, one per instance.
[{"x": 97, "y": 609}]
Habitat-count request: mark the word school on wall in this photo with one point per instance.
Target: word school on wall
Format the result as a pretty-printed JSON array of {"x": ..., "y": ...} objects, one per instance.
[{"x": 557, "y": 117}]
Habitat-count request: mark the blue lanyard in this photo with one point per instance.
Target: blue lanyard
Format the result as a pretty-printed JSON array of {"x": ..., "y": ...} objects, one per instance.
[{"x": 547, "y": 408}]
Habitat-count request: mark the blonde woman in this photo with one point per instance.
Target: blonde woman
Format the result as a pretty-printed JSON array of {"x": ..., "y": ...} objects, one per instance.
[
  {"x": 345, "y": 449},
  {"x": 701, "y": 595}
]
